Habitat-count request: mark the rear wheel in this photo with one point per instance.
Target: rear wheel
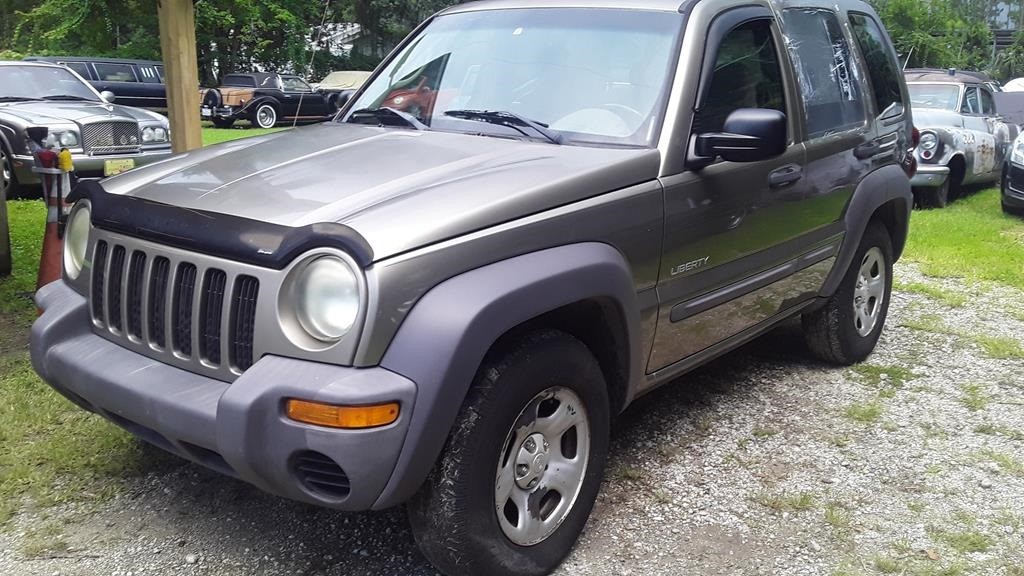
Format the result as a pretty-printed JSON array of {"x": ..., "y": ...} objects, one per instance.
[
  {"x": 937, "y": 197},
  {"x": 846, "y": 329},
  {"x": 523, "y": 465},
  {"x": 265, "y": 116},
  {"x": 223, "y": 122}
]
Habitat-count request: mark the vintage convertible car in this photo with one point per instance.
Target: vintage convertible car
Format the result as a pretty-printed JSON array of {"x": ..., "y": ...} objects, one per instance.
[
  {"x": 265, "y": 99},
  {"x": 964, "y": 140},
  {"x": 340, "y": 85},
  {"x": 104, "y": 138}
]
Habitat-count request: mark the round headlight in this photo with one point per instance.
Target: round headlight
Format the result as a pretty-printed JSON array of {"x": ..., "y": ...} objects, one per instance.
[
  {"x": 928, "y": 141},
  {"x": 68, "y": 139},
  {"x": 159, "y": 134},
  {"x": 147, "y": 134},
  {"x": 326, "y": 298},
  {"x": 76, "y": 241}
]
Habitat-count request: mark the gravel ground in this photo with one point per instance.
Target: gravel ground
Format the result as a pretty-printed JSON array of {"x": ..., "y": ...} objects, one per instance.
[{"x": 761, "y": 463}]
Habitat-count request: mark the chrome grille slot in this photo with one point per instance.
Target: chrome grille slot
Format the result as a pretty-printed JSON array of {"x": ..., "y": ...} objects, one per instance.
[
  {"x": 136, "y": 282},
  {"x": 114, "y": 289},
  {"x": 184, "y": 294},
  {"x": 243, "y": 320},
  {"x": 187, "y": 310},
  {"x": 211, "y": 309},
  {"x": 111, "y": 138}
]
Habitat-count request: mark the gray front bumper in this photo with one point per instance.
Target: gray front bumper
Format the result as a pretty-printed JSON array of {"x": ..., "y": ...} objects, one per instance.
[
  {"x": 88, "y": 166},
  {"x": 239, "y": 428},
  {"x": 929, "y": 176}
]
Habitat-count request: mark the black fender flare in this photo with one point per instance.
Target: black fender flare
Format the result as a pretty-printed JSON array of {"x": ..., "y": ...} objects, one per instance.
[
  {"x": 442, "y": 342},
  {"x": 888, "y": 185},
  {"x": 251, "y": 106}
]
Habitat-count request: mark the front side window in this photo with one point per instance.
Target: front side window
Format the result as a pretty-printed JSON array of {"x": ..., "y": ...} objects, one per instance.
[
  {"x": 828, "y": 78},
  {"x": 881, "y": 62},
  {"x": 292, "y": 84},
  {"x": 590, "y": 75},
  {"x": 746, "y": 75},
  {"x": 42, "y": 82},
  {"x": 107, "y": 72}
]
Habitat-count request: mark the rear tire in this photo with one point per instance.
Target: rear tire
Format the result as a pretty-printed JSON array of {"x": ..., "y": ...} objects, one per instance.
[
  {"x": 846, "y": 329},
  {"x": 265, "y": 116},
  {"x": 937, "y": 197},
  {"x": 505, "y": 449},
  {"x": 223, "y": 122}
]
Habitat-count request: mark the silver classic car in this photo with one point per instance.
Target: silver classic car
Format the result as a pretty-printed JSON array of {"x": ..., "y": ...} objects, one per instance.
[
  {"x": 963, "y": 138},
  {"x": 104, "y": 138}
]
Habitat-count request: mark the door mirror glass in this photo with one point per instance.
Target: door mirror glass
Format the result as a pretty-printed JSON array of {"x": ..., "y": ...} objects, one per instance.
[
  {"x": 108, "y": 96},
  {"x": 749, "y": 135}
]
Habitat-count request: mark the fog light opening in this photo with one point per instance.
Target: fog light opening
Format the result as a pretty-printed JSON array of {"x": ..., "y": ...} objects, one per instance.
[{"x": 348, "y": 417}]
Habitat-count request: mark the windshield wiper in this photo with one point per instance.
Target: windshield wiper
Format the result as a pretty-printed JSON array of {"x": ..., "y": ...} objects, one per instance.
[
  {"x": 67, "y": 97},
  {"x": 509, "y": 119},
  {"x": 17, "y": 99},
  {"x": 385, "y": 113}
]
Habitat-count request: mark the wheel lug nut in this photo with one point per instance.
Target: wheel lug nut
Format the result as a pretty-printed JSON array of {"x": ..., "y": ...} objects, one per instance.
[
  {"x": 522, "y": 469},
  {"x": 530, "y": 445},
  {"x": 532, "y": 484}
]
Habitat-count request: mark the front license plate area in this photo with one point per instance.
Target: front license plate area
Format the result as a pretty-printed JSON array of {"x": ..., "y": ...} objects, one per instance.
[{"x": 115, "y": 167}]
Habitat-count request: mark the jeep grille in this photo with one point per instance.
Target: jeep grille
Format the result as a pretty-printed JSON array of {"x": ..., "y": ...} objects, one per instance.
[{"x": 151, "y": 300}]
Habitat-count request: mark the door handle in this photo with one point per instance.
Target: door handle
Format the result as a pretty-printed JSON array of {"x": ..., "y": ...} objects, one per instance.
[
  {"x": 867, "y": 150},
  {"x": 785, "y": 176}
]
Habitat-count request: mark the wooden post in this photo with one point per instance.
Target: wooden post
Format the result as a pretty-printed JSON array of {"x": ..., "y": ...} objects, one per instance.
[{"x": 181, "y": 72}]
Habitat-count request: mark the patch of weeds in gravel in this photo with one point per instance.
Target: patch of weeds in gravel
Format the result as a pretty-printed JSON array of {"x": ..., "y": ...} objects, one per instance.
[
  {"x": 962, "y": 541},
  {"x": 947, "y": 297},
  {"x": 932, "y": 323},
  {"x": 45, "y": 539},
  {"x": 764, "y": 432},
  {"x": 1006, "y": 463},
  {"x": 974, "y": 397},
  {"x": 864, "y": 413},
  {"x": 786, "y": 502},
  {"x": 838, "y": 517},
  {"x": 999, "y": 347},
  {"x": 887, "y": 379}
]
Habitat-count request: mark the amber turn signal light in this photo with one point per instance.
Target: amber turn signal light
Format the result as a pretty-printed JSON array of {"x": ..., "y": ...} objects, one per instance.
[{"x": 350, "y": 417}]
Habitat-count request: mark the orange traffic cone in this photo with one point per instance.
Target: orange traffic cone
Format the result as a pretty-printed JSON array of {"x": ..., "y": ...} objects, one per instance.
[{"x": 49, "y": 261}]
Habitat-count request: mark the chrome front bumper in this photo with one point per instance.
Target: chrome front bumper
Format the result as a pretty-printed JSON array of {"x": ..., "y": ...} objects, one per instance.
[
  {"x": 930, "y": 176},
  {"x": 88, "y": 166}
]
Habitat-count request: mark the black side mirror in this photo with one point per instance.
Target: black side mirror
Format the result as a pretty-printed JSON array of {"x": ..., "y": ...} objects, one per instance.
[{"x": 749, "y": 135}]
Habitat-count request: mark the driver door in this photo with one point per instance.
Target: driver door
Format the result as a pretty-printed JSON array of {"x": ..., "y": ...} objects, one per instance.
[{"x": 301, "y": 100}]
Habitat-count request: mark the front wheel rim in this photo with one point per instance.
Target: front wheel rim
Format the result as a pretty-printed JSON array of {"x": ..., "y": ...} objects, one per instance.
[
  {"x": 5, "y": 172},
  {"x": 869, "y": 293},
  {"x": 542, "y": 466}
]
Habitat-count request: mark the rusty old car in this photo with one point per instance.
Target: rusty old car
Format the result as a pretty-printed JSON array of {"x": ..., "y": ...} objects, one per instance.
[{"x": 964, "y": 140}]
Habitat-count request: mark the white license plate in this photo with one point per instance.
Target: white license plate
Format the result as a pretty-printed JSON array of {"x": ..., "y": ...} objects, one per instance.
[
  {"x": 115, "y": 167},
  {"x": 206, "y": 112}
]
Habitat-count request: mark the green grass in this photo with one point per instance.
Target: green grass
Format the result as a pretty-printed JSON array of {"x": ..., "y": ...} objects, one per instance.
[
  {"x": 218, "y": 135},
  {"x": 969, "y": 239},
  {"x": 1006, "y": 463},
  {"x": 974, "y": 397},
  {"x": 999, "y": 347},
  {"x": 866, "y": 413},
  {"x": 50, "y": 450},
  {"x": 963, "y": 542},
  {"x": 947, "y": 297},
  {"x": 786, "y": 502}
]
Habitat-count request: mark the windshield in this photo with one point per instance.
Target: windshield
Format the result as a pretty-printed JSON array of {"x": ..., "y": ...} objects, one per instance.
[
  {"x": 593, "y": 75},
  {"x": 35, "y": 82},
  {"x": 943, "y": 96}
]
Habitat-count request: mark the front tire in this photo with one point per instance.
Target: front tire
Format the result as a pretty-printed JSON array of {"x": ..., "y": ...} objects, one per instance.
[
  {"x": 265, "y": 116},
  {"x": 523, "y": 465},
  {"x": 9, "y": 187},
  {"x": 846, "y": 329},
  {"x": 937, "y": 197}
]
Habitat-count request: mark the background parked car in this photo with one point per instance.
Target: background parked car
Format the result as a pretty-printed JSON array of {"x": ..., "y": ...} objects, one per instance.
[
  {"x": 1012, "y": 186},
  {"x": 964, "y": 140},
  {"x": 264, "y": 99},
  {"x": 138, "y": 83},
  {"x": 103, "y": 138},
  {"x": 340, "y": 85}
]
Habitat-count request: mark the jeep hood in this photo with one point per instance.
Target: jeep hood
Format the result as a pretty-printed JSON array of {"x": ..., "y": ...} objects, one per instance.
[{"x": 400, "y": 189}]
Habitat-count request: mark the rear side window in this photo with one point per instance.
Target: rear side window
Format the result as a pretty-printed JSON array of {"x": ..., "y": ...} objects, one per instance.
[
  {"x": 746, "y": 75},
  {"x": 239, "y": 81},
  {"x": 883, "y": 70},
  {"x": 149, "y": 75},
  {"x": 107, "y": 72},
  {"x": 829, "y": 81},
  {"x": 988, "y": 105},
  {"x": 81, "y": 68}
]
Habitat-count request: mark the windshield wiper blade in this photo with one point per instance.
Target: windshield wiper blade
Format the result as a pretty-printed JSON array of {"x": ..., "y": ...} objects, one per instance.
[
  {"x": 384, "y": 112},
  {"x": 510, "y": 119},
  {"x": 67, "y": 97},
  {"x": 17, "y": 99}
]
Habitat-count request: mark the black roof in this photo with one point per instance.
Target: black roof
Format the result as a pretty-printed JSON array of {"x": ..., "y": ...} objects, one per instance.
[
  {"x": 61, "y": 59},
  {"x": 951, "y": 75}
]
